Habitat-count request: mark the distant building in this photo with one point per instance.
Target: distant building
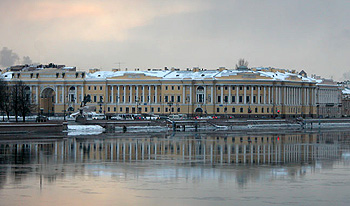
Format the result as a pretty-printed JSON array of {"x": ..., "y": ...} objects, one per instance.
[
  {"x": 242, "y": 93},
  {"x": 328, "y": 98}
]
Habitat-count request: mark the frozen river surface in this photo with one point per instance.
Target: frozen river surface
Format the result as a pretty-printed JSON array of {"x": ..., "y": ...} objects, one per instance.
[{"x": 180, "y": 169}]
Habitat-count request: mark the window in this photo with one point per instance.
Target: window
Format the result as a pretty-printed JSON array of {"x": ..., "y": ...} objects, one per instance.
[
  {"x": 262, "y": 110},
  {"x": 260, "y": 99},
  {"x": 166, "y": 109},
  {"x": 145, "y": 109},
  {"x": 172, "y": 98},
  {"x": 166, "y": 87},
  {"x": 158, "y": 109},
  {"x": 217, "y": 109},
  {"x": 219, "y": 87},
  {"x": 115, "y": 109},
  {"x": 256, "y": 110},
  {"x": 225, "y": 88},
  {"x": 254, "y": 88},
  {"x": 178, "y": 87},
  {"x": 247, "y": 99},
  {"x": 100, "y": 87},
  {"x": 94, "y": 87},
  {"x": 248, "y": 88},
  {"x": 178, "y": 109},
  {"x": 172, "y": 109},
  {"x": 233, "y": 110},
  {"x": 233, "y": 87},
  {"x": 152, "y": 109},
  {"x": 166, "y": 98},
  {"x": 240, "y": 99},
  {"x": 121, "y": 109},
  {"x": 241, "y": 110},
  {"x": 172, "y": 87},
  {"x": 219, "y": 98},
  {"x": 267, "y": 110},
  {"x": 108, "y": 109},
  {"x": 95, "y": 98},
  {"x": 209, "y": 98},
  {"x": 179, "y": 98},
  {"x": 226, "y": 99},
  {"x": 254, "y": 99},
  {"x": 89, "y": 88},
  {"x": 101, "y": 98},
  {"x": 241, "y": 88},
  {"x": 233, "y": 98}
]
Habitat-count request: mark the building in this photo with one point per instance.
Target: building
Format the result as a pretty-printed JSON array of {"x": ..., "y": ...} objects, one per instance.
[
  {"x": 255, "y": 92},
  {"x": 328, "y": 99}
]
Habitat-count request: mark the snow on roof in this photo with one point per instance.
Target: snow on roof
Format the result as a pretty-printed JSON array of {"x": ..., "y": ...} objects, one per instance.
[
  {"x": 6, "y": 75},
  {"x": 203, "y": 74},
  {"x": 346, "y": 91}
]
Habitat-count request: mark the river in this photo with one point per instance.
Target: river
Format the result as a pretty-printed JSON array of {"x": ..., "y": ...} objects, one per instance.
[{"x": 216, "y": 168}]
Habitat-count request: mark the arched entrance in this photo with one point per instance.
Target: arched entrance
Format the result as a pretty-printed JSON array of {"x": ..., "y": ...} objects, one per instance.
[
  {"x": 47, "y": 101},
  {"x": 199, "y": 110}
]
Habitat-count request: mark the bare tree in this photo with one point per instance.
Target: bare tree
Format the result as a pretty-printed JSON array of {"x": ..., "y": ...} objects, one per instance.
[
  {"x": 20, "y": 100},
  {"x": 3, "y": 95},
  {"x": 242, "y": 63}
]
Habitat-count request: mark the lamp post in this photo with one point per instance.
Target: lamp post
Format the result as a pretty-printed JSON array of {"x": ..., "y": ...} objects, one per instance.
[
  {"x": 170, "y": 104},
  {"x": 137, "y": 105},
  {"x": 100, "y": 104},
  {"x": 116, "y": 104}
]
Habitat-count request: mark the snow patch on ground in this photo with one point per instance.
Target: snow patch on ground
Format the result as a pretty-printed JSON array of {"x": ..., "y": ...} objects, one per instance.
[{"x": 84, "y": 130}]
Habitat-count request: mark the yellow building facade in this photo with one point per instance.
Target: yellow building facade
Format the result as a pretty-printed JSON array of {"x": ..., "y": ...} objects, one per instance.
[{"x": 259, "y": 92}]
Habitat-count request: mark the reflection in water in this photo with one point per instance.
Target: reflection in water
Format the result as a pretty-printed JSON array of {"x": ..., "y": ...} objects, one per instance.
[{"x": 235, "y": 158}]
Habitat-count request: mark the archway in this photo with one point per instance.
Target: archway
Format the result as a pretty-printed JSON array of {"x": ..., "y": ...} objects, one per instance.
[
  {"x": 47, "y": 101},
  {"x": 199, "y": 110}
]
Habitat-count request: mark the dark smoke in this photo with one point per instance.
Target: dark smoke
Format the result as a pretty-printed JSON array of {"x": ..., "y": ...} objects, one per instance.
[{"x": 7, "y": 57}]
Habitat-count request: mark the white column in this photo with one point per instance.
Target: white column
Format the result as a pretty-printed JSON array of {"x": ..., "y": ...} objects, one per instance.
[
  {"x": 245, "y": 94},
  {"x": 258, "y": 94},
  {"x": 222, "y": 94},
  {"x": 284, "y": 95},
  {"x": 131, "y": 94},
  {"x": 112, "y": 96},
  {"x": 124, "y": 94},
  {"x": 265, "y": 95},
  {"x": 149, "y": 94},
  {"x": 156, "y": 93},
  {"x": 212, "y": 94},
  {"x": 56, "y": 94},
  {"x": 143, "y": 94},
  {"x": 272, "y": 95},
  {"x": 237, "y": 94},
  {"x": 269, "y": 99},
  {"x": 205, "y": 94},
  {"x": 229, "y": 94},
  {"x": 251, "y": 94},
  {"x": 63, "y": 99},
  {"x": 183, "y": 94},
  {"x": 76, "y": 95},
  {"x": 190, "y": 94},
  {"x": 117, "y": 98},
  {"x": 82, "y": 93}
]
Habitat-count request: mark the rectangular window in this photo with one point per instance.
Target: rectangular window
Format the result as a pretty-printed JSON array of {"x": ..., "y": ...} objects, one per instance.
[
  {"x": 178, "y": 109},
  {"x": 178, "y": 87},
  {"x": 233, "y": 87},
  {"x": 160, "y": 98},
  {"x": 121, "y": 109},
  {"x": 219, "y": 88},
  {"x": 145, "y": 109},
  {"x": 158, "y": 109},
  {"x": 95, "y": 99},
  {"x": 101, "y": 98},
  {"x": 241, "y": 88},
  {"x": 262, "y": 110},
  {"x": 219, "y": 98},
  {"x": 233, "y": 98},
  {"x": 248, "y": 88},
  {"x": 179, "y": 98},
  {"x": 254, "y": 88},
  {"x": 166, "y": 109},
  {"x": 89, "y": 88},
  {"x": 225, "y": 88},
  {"x": 260, "y": 99},
  {"x": 241, "y": 110},
  {"x": 267, "y": 110},
  {"x": 100, "y": 87},
  {"x": 166, "y": 98},
  {"x": 254, "y": 99},
  {"x": 172, "y": 87},
  {"x": 115, "y": 109},
  {"x": 233, "y": 110},
  {"x": 240, "y": 99},
  {"x": 226, "y": 99},
  {"x": 247, "y": 99},
  {"x": 217, "y": 109},
  {"x": 123, "y": 98},
  {"x": 172, "y": 98},
  {"x": 166, "y": 87},
  {"x": 152, "y": 109},
  {"x": 108, "y": 109},
  {"x": 94, "y": 87},
  {"x": 256, "y": 110}
]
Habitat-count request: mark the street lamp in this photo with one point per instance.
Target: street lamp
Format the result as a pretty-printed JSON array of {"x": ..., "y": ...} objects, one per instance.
[
  {"x": 170, "y": 104},
  {"x": 100, "y": 104}
]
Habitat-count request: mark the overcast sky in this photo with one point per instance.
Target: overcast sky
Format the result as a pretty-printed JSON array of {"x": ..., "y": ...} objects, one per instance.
[{"x": 313, "y": 35}]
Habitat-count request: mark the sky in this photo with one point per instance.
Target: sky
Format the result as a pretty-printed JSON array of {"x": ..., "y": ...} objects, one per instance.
[{"x": 310, "y": 35}]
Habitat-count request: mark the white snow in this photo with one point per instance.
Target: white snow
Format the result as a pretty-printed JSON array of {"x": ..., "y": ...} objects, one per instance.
[{"x": 84, "y": 130}]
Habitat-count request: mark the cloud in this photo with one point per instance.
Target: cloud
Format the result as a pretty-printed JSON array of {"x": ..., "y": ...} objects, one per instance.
[
  {"x": 8, "y": 57},
  {"x": 27, "y": 60},
  {"x": 92, "y": 20}
]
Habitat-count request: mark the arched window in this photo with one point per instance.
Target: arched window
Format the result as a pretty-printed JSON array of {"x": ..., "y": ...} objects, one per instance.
[
  {"x": 200, "y": 94},
  {"x": 71, "y": 94}
]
